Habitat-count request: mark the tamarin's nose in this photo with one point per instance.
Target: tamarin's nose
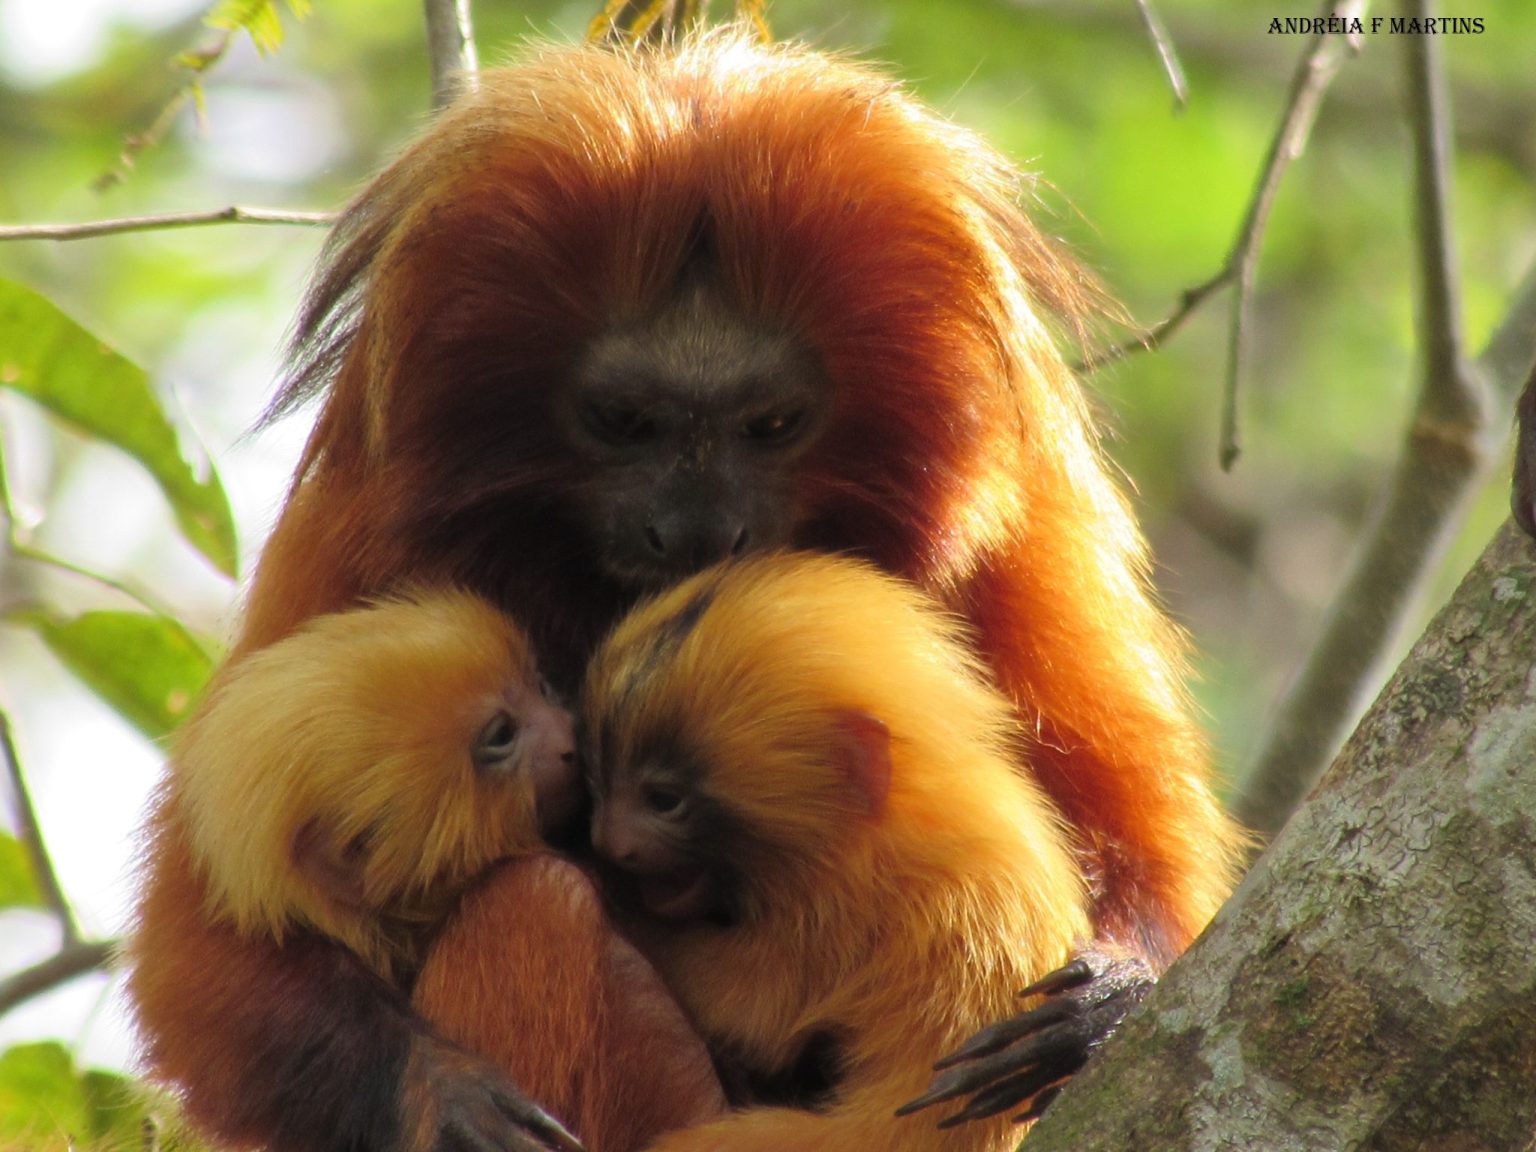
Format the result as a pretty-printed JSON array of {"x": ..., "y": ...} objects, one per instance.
[{"x": 610, "y": 841}]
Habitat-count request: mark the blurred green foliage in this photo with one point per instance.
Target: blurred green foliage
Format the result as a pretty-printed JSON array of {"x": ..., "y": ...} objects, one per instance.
[{"x": 1150, "y": 195}]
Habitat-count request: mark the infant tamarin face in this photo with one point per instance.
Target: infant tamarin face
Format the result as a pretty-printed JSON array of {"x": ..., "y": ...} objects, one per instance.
[
  {"x": 735, "y": 734},
  {"x": 462, "y": 753}
]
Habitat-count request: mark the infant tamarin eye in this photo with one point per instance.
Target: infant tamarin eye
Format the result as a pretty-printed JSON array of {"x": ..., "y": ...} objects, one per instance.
[
  {"x": 662, "y": 800},
  {"x": 496, "y": 740}
]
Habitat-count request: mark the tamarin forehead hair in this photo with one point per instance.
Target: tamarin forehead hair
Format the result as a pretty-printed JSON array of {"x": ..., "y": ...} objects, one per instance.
[{"x": 755, "y": 641}]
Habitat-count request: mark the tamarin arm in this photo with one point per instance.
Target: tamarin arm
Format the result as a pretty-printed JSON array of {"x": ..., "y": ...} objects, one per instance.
[{"x": 299, "y": 1046}]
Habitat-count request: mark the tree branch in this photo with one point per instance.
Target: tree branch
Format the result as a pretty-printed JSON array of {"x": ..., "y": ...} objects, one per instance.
[
  {"x": 1314, "y": 72},
  {"x": 94, "y": 228},
  {"x": 1449, "y": 448},
  {"x": 450, "y": 49},
  {"x": 32, "y": 838},
  {"x": 1167, "y": 54},
  {"x": 74, "y": 959},
  {"x": 1372, "y": 983}
]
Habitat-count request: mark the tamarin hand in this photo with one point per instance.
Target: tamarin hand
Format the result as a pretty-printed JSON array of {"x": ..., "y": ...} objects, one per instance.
[
  {"x": 1030, "y": 1056},
  {"x": 456, "y": 1102}
]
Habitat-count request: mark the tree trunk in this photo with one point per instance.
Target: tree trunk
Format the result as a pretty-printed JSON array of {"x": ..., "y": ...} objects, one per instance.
[{"x": 1372, "y": 983}]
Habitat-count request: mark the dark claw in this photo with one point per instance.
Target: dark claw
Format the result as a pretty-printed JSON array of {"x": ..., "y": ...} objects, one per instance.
[
  {"x": 1047, "y": 1048},
  {"x": 1072, "y": 975},
  {"x": 474, "y": 1108},
  {"x": 550, "y": 1131},
  {"x": 1008, "y": 1094},
  {"x": 1037, "y": 1108},
  {"x": 998, "y": 1036},
  {"x": 1030, "y": 1057}
]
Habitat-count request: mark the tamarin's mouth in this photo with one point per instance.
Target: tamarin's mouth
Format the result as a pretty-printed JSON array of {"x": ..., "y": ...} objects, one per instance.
[{"x": 682, "y": 895}]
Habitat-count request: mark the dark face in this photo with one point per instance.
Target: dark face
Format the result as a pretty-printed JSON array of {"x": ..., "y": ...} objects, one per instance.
[
  {"x": 692, "y": 426},
  {"x": 652, "y": 821}
]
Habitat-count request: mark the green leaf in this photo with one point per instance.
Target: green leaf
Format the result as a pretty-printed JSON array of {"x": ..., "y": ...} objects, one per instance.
[
  {"x": 47, "y": 1102},
  {"x": 115, "y": 1109},
  {"x": 18, "y": 887},
  {"x": 258, "y": 18},
  {"x": 49, "y": 358},
  {"x": 149, "y": 669},
  {"x": 40, "y": 1096}
]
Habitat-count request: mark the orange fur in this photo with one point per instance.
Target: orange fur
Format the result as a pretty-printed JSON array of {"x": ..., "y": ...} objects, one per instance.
[
  {"x": 568, "y": 1009},
  {"x": 558, "y": 201},
  {"x": 898, "y": 923}
]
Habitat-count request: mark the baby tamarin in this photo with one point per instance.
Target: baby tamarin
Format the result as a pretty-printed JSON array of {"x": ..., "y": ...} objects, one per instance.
[
  {"x": 355, "y": 778},
  {"x": 812, "y": 790}
]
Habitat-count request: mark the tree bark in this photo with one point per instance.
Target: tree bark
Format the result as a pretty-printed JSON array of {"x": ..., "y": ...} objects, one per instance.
[{"x": 1372, "y": 983}]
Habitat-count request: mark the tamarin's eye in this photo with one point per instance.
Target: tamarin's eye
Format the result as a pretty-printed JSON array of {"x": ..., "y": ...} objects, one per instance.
[
  {"x": 773, "y": 427},
  {"x": 620, "y": 425},
  {"x": 496, "y": 740},
  {"x": 662, "y": 801}
]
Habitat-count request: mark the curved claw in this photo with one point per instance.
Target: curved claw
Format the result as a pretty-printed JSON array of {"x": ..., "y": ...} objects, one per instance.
[
  {"x": 550, "y": 1132},
  {"x": 1071, "y": 975},
  {"x": 1001, "y": 1035},
  {"x": 463, "y": 1103},
  {"x": 1008, "y": 1094}
]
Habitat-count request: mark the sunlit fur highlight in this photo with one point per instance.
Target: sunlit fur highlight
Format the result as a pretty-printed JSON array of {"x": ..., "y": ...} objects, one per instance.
[
  {"x": 900, "y": 931},
  {"x": 360, "y": 725}
]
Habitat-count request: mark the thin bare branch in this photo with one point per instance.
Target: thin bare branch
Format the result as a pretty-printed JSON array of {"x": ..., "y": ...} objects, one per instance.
[
  {"x": 1166, "y": 52},
  {"x": 69, "y": 962},
  {"x": 1451, "y": 444},
  {"x": 234, "y": 214},
  {"x": 1157, "y": 335},
  {"x": 32, "y": 838},
  {"x": 1314, "y": 72},
  {"x": 1444, "y": 394},
  {"x": 196, "y": 65},
  {"x": 450, "y": 49}
]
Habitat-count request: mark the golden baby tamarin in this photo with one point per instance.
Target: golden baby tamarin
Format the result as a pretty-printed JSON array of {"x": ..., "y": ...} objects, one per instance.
[
  {"x": 814, "y": 794},
  {"x": 354, "y": 778}
]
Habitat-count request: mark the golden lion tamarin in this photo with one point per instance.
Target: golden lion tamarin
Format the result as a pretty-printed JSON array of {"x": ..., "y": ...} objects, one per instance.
[
  {"x": 815, "y": 795},
  {"x": 353, "y": 779},
  {"x": 618, "y": 314}
]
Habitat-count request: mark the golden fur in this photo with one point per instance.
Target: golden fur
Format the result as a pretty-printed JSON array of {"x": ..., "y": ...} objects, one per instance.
[
  {"x": 901, "y": 931},
  {"x": 358, "y": 728}
]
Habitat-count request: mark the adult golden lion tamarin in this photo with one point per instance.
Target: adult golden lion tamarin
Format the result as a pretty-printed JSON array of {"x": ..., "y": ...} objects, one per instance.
[
  {"x": 815, "y": 795},
  {"x": 618, "y": 314}
]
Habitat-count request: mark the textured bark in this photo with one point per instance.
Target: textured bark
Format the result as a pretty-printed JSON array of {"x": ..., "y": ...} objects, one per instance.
[{"x": 1372, "y": 984}]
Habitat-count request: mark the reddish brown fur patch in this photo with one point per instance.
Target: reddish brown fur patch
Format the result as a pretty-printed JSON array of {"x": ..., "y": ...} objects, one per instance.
[
  {"x": 566, "y": 1008},
  {"x": 299, "y": 1047}
]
